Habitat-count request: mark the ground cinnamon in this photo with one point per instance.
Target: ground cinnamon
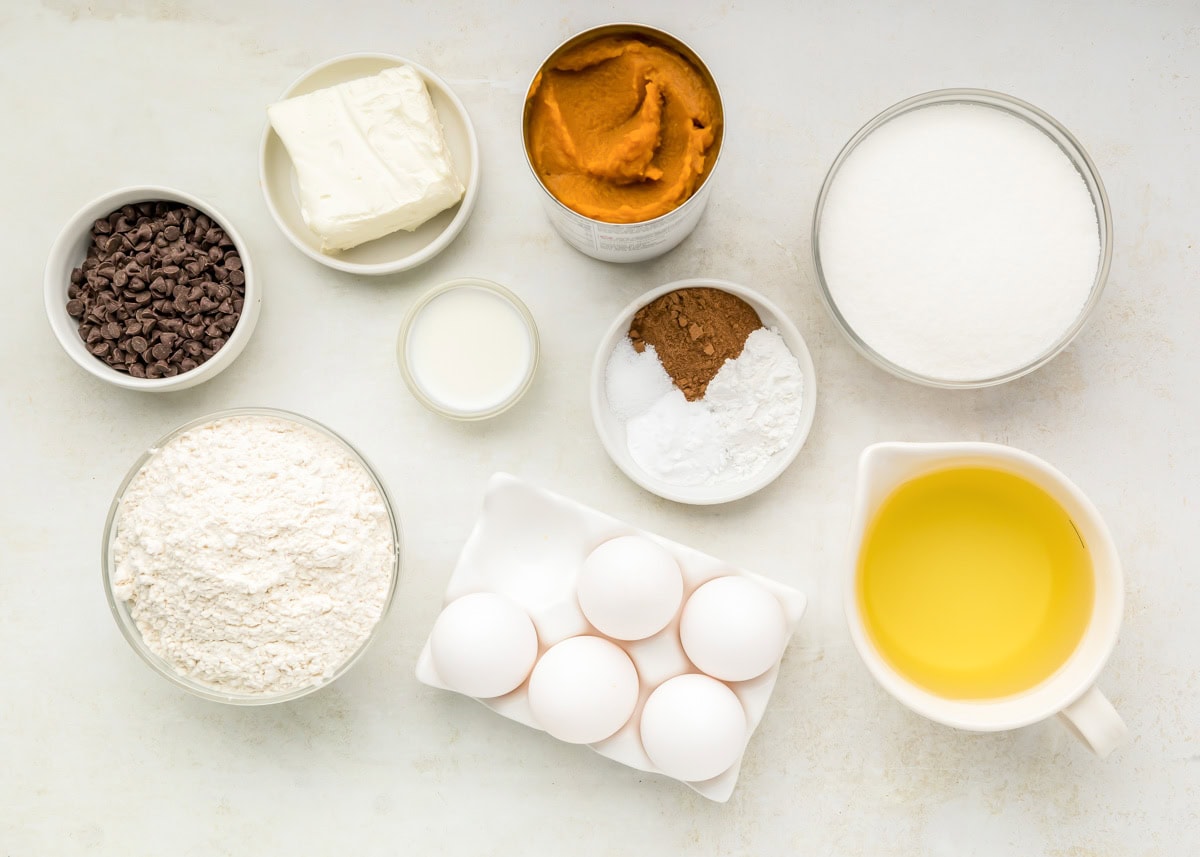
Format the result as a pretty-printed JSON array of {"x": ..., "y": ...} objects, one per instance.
[{"x": 694, "y": 331}]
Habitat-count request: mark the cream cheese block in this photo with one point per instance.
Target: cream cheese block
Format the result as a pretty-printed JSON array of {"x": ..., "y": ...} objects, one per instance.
[{"x": 370, "y": 157}]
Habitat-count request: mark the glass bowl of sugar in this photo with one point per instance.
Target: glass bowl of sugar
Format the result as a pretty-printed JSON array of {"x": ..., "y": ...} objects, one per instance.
[
  {"x": 251, "y": 556},
  {"x": 962, "y": 238}
]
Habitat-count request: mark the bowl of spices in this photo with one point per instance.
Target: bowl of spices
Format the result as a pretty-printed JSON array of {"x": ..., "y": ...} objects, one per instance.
[
  {"x": 703, "y": 391},
  {"x": 250, "y": 556},
  {"x": 962, "y": 238},
  {"x": 468, "y": 349},
  {"x": 150, "y": 288}
]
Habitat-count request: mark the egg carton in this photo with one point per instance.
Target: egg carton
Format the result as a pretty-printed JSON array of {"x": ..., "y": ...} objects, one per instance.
[{"x": 529, "y": 545}]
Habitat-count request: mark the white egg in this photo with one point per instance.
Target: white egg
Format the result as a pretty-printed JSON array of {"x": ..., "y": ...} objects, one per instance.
[
  {"x": 583, "y": 689},
  {"x": 483, "y": 645},
  {"x": 733, "y": 629},
  {"x": 693, "y": 727},
  {"x": 630, "y": 588}
]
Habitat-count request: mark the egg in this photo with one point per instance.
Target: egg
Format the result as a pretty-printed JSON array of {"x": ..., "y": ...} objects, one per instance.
[
  {"x": 733, "y": 629},
  {"x": 583, "y": 689},
  {"x": 483, "y": 645},
  {"x": 630, "y": 588},
  {"x": 693, "y": 727}
]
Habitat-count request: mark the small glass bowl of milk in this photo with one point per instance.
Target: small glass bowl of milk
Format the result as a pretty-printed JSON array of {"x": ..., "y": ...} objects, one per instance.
[{"x": 468, "y": 349}]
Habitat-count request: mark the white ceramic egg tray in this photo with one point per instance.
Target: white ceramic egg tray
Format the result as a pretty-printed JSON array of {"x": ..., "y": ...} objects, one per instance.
[{"x": 529, "y": 544}]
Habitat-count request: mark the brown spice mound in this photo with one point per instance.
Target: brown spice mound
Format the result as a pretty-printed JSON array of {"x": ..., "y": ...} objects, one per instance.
[{"x": 694, "y": 331}]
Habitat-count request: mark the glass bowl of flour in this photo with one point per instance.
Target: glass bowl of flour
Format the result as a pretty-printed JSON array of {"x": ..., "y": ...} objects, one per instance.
[
  {"x": 962, "y": 238},
  {"x": 250, "y": 556}
]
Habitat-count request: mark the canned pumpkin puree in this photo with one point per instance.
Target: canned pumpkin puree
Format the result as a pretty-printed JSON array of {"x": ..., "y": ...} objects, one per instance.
[{"x": 623, "y": 128}]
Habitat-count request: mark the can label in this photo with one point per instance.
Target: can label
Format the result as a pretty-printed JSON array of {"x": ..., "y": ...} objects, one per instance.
[{"x": 627, "y": 242}]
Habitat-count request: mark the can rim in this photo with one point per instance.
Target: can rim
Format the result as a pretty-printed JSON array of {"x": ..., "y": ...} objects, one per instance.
[{"x": 670, "y": 40}]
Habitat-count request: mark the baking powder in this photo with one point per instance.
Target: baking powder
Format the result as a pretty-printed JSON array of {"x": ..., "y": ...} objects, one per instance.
[
  {"x": 256, "y": 554},
  {"x": 750, "y": 411}
]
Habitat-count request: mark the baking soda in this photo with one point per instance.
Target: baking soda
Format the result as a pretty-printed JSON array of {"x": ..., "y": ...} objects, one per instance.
[{"x": 959, "y": 242}]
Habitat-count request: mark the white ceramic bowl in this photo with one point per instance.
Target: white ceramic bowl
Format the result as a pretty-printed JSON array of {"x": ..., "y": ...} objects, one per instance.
[
  {"x": 70, "y": 249},
  {"x": 612, "y": 430},
  {"x": 398, "y": 251}
]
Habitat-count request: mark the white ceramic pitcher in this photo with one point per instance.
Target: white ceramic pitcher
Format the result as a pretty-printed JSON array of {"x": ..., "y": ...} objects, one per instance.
[{"x": 1071, "y": 691}]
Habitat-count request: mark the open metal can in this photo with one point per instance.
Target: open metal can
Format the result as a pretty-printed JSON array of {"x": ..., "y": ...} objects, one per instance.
[{"x": 628, "y": 242}]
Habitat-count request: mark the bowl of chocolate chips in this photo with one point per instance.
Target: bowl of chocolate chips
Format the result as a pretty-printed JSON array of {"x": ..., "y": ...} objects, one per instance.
[{"x": 150, "y": 288}]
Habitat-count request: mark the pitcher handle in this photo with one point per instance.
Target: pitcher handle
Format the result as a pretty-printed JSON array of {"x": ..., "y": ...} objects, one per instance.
[{"x": 1095, "y": 722}]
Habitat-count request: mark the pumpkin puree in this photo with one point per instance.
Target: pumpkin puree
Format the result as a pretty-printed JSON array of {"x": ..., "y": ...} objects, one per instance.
[{"x": 621, "y": 129}]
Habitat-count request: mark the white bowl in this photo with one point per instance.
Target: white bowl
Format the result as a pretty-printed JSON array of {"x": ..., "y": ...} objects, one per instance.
[
  {"x": 70, "y": 249},
  {"x": 612, "y": 431},
  {"x": 398, "y": 251}
]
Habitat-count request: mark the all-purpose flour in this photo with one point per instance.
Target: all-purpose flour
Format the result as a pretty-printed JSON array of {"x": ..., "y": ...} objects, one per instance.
[
  {"x": 255, "y": 553},
  {"x": 749, "y": 412}
]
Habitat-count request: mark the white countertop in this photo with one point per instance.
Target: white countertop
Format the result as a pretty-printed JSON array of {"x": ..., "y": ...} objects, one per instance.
[{"x": 102, "y": 756}]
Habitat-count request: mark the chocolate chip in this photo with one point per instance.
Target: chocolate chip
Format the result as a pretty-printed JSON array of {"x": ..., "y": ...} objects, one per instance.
[{"x": 161, "y": 284}]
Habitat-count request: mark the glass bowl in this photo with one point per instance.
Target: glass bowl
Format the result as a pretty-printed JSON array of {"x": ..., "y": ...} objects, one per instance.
[
  {"x": 120, "y": 609},
  {"x": 1065, "y": 141},
  {"x": 414, "y": 385}
]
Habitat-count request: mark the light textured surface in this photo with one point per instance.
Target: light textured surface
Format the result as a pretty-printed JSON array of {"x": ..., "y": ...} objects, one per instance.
[{"x": 102, "y": 756}]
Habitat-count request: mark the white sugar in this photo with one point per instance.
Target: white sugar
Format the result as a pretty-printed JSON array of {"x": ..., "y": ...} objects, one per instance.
[{"x": 959, "y": 242}]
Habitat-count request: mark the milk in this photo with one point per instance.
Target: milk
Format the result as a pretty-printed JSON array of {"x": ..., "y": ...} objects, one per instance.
[{"x": 469, "y": 349}]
